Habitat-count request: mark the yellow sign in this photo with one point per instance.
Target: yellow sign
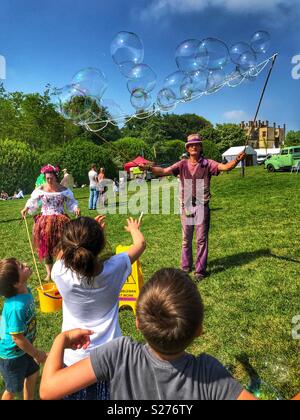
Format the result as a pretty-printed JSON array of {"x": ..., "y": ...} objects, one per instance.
[{"x": 133, "y": 285}]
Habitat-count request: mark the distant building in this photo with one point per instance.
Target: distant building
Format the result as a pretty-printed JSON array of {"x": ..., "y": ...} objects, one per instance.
[{"x": 264, "y": 136}]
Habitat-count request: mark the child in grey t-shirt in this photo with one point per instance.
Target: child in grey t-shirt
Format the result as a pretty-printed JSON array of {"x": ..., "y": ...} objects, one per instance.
[{"x": 170, "y": 316}]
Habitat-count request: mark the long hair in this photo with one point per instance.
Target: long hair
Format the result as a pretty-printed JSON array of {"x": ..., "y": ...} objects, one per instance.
[{"x": 82, "y": 241}]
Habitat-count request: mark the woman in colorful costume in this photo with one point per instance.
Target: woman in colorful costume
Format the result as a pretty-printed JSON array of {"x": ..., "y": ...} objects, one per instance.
[{"x": 52, "y": 197}]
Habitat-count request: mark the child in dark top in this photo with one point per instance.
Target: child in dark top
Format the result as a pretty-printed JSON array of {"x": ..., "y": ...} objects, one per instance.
[
  {"x": 19, "y": 359},
  {"x": 169, "y": 315}
]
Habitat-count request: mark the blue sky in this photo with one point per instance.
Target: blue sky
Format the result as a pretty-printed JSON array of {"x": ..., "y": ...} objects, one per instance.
[{"x": 48, "y": 41}]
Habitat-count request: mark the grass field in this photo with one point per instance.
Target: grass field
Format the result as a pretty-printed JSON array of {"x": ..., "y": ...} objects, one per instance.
[{"x": 253, "y": 292}]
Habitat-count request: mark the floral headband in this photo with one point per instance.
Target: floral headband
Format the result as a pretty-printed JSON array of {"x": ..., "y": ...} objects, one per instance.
[{"x": 50, "y": 169}]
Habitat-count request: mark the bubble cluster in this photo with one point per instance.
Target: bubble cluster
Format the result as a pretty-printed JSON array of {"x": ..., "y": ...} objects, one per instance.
[
  {"x": 128, "y": 53},
  {"x": 206, "y": 66},
  {"x": 203, "y": 67}
]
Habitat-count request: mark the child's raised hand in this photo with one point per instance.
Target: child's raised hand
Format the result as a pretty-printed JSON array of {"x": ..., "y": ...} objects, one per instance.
[
  {"x": 100, "y": 219},
  {"x": 132, "y": 225},
  {"x": 77, "y": 339},
  {"x": 77, "y": 212}
]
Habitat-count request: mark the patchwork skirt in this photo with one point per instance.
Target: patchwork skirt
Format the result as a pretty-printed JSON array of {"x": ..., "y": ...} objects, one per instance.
[{"x": 47, "y": 231}]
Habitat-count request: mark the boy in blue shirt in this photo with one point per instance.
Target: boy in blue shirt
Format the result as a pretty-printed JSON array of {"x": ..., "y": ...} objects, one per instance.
[{"x": 19, "y": 359}]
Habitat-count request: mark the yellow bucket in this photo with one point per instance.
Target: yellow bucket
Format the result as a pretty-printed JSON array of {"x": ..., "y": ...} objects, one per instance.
[{"x": 50, "y": 298}]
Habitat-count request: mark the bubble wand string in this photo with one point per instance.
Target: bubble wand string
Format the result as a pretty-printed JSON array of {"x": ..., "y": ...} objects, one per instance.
[
  {"x": 261, "y": 99},
  {"x": 33, "y": 255}
]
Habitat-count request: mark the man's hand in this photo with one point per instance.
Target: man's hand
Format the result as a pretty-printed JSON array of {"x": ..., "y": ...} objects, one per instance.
[
  {"x": 146, "y": 167},
  {"x": 100, "y": 219},
  {"x": 241, "y": 156},
  {"x": 77, "y": 339}
]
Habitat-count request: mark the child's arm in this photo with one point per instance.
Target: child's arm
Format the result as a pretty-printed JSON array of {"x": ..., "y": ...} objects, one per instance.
[
  {"x": 246, "y": 396},
  {"x": 139, "y": 243},
  {"x": 24, "y": 344},
  {"x": 58, "y": 381}
]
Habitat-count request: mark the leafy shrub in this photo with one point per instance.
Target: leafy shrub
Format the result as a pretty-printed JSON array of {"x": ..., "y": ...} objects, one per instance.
[
  {"x": 79, "y": 155},
  {"x": 19, "y": 166}
]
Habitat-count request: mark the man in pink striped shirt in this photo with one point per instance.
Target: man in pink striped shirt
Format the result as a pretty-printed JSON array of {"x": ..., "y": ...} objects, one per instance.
[{"x": 195, "y": 174}]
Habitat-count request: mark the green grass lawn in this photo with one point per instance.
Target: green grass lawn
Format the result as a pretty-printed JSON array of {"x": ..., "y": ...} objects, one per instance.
[{"x": 254, "y": 288}]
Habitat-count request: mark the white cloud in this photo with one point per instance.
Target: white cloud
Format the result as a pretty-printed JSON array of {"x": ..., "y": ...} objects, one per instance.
[
  {"x": 160, "y": 8},
  {"x": 236, "y": 116}
]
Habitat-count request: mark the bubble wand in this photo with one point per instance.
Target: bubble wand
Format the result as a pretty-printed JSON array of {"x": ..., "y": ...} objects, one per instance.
[
  {"x": 140, "y": 218},
  {"x": 258, "y": 108},
  {"x": 32, "y": 251}
]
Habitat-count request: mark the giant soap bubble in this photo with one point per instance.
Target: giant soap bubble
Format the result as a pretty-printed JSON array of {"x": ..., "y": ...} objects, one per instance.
[
  {"x": 215, "y": 81},
  {"x": 140, "y": 100},
  {"x": 260, "y": 42},
  {"x": 195, "y": 84},
  {"x": 215, "y": 52},
  {"x": 235, "y": 78},
  {"x": 141, "y": 77},
  {"x": 187, "y": 56},
  {"x": 174, "y": 82},
  {"x": 237, "y": 50},
  {"x": 166, "y": 100},
  {"x": 127, "y": 51},
  {"x": 91, "y": 81},
  {"x": 199, "y": 80},
  {"x": 186, "y": 89},
  {"x": 74, "y": 104},
  {"x": 247, "y": 61}
]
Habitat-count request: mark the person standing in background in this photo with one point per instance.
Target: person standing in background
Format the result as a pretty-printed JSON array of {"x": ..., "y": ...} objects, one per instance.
[
  {"x": 94, "y": 193},
  {"x": 102, "y": 187},
  {"x": 68, "y": 180}
]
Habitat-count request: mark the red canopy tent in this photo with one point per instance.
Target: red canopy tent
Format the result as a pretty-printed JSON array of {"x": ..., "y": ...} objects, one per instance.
[{"x": 136, "y": 162}]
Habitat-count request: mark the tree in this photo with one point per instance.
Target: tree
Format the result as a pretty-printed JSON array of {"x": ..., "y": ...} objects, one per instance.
[
  {"x": 229, "y": 135},
  {"x": 209, "y": 133},
  {"x": 79, "y": 155},
  {"x": 180, "y": 126},
  {"x": 169, "y": 151},
  {"x": 162, "y": 127},
  {"x": 30, "y": 118},
  {"x": 154, "y": 130},
  {"x": 292, "y": 138},
  {"x": 127, "y": 149},
  {"x": 211, "y": 151},
  {"x": 133, "y": 127}
]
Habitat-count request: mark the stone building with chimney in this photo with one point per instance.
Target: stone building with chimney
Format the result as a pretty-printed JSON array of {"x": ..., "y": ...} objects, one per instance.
[{"x": 264, "y": 136}]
